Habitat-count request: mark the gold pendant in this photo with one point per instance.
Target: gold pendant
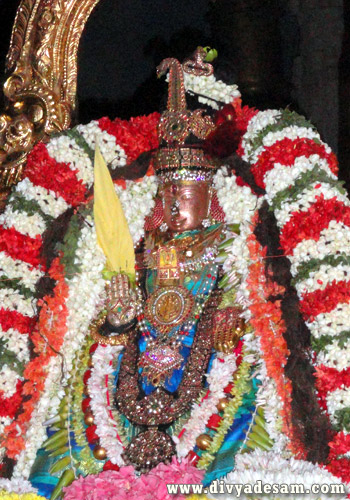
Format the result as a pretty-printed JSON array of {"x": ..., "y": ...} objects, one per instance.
[
  {"x": 168, "y": 307},
  {"x": 159, "y": 362}
]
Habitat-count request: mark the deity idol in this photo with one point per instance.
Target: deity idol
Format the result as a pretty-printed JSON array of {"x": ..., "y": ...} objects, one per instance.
[
  {"x": 191, "y": 328},
  {"x": 179, "y": 308}
]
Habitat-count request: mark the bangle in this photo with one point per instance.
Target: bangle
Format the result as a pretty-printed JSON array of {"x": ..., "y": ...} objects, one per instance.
[{"x": 114, "y": 340}]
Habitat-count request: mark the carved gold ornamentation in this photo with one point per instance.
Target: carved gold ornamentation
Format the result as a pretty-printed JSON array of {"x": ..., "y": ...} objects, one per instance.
[
  {"x": 40, "y": 90},
  {"x": 177, "y": 123},
  {"x": 228, "y": 328}
]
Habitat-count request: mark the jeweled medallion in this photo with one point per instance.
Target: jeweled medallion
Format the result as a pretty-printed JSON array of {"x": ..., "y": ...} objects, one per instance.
[{"x": 168, "y": 306}]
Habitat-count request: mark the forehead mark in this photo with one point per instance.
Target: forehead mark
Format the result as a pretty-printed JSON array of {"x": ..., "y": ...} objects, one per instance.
[{"x": 178, "y": 189}]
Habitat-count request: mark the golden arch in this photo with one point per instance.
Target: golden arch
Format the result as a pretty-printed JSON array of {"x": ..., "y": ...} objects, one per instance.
[{"x": 40, "y": 89}]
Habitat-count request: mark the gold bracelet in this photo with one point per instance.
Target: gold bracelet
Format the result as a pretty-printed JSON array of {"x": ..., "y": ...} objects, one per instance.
[{"x": 114, "y": 340}]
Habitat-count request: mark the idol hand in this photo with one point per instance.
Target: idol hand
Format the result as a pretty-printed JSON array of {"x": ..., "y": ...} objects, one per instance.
[
  {"x": 228, "y": 328},
  {"x": 121, "y": 301}
]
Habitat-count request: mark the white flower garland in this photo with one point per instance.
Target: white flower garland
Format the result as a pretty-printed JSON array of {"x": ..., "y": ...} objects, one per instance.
[
  {"x": 83, "y": 296},
  {"x": 218, "y": 378},
  {"x": 8, "y": 381},
  {"x": 50, "y": 203},
  {"x": 336, "y": 400},
  {"x": 267, "y": 396},
  {"x": 64, "y": 149},
  {"x": 14, "y": 269},
  {"x": 271, "y": 468},
  {"x": 333, "y": 240},
  {"x": 282, "y": 176},
  {"x": 105, "y": 426},
  {"x": 30, "y": 225},
  {"x": 208, "y": 88},
  {"x": 86, "y": 288},
  {"x": 18, "y": 485},
  {"x": 137, "y": 200},
  {"x": 237, "y": 262},
  {"x": 330, "y": 323},
  {"x": 334, "y": 356},
  {"x": 307, "y": 198},
  {"x": 238, "y": 202},
  {"x": 260, "y": 121},
  {"x": 325, "y": 275},
  {"x": 14, "y": 301},
  {"x": 16, "y": 342},
  {"x": 292, "y": 132},
  {"x": 111, "y": 151}
]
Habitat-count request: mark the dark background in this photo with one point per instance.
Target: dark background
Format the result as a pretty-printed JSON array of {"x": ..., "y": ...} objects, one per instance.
[{"x": 280, "y": 52}]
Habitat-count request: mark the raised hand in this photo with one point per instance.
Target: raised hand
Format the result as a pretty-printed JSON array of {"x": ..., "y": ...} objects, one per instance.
[{"x": 121, "y": 301}]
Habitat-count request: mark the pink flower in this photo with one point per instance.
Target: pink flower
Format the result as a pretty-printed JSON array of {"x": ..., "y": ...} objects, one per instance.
[
  {"x": 125, "y": 485},
  {"x": 109, "y": 485},
  {"x": 176, "y": 473}
]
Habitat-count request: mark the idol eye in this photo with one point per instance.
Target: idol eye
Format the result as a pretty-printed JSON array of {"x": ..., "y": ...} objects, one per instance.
[{"x": 187, "y": 196}]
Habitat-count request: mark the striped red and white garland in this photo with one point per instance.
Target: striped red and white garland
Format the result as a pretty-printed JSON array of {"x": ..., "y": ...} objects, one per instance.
[
  {"x": 314, "y": 221},
  {"x": 48, "y": 188},
  {"x": 301, "y": 220}
]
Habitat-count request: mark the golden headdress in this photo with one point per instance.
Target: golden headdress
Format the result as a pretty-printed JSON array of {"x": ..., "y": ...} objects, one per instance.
[{"x": 180, "y": 154}]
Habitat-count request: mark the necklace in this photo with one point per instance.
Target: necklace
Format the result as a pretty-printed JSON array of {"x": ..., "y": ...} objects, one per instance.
[
  {"x": 161, "y": 356},
  {"x": 181, "y": 289},
  {"x": 193, "y": 249},
  {"x": 160, "y": 407},
  {"x": 179, "y": 297}
]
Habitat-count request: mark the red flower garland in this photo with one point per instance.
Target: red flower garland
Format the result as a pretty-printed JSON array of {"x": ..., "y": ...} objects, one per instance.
[
  {"x": 136, "y": 135},
  {"x": 45, "y": 171},
  {"x": 340, "y": 468},
  {"x": 339, "y": 445},
  {"x": 14, "y": 319},
  {"x": 10, "y": 406},
  {"x": 309, "y": 224},
  {"x": 47, "y": 339},
  {"x": 323, "y": 301},
  {"x": 329, "y": 379},
  {"x": 22, "y": 247},
  {"x": 285, "y": 152}
]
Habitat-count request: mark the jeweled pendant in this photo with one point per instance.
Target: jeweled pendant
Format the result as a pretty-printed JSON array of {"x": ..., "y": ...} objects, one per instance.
[
  {"x": 159, "y": 362},
  {"x": 148, "y": 449}
]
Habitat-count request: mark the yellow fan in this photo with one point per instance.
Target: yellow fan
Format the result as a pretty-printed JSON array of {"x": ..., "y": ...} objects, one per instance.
[{"x": 112, "y": 229}]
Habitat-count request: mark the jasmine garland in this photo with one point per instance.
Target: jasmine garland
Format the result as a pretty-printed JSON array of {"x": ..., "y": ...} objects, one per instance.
[{"x": 50, "y": 198}]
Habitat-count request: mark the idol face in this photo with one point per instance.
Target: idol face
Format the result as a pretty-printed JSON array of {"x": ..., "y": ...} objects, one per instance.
[{"x": 185, "y": 204}]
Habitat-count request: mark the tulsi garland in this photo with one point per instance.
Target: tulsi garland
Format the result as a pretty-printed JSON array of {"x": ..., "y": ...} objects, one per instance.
[
  {"x": 87, "y": 463},
  {"x": 240, "y": 387}
]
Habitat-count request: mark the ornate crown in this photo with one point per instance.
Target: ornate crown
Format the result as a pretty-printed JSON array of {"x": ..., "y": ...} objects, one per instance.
[{"x": 181, "y": 131}]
